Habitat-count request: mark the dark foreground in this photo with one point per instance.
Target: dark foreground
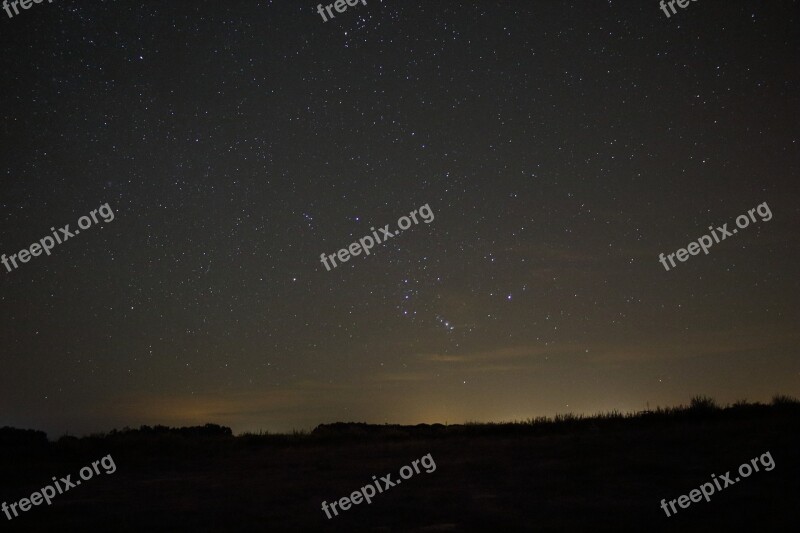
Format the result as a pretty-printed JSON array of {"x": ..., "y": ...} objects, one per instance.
[{"x": 607, "y": 473}]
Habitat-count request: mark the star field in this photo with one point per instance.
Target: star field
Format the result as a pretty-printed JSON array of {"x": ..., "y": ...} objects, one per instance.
[{"x": 561, "y": 147}]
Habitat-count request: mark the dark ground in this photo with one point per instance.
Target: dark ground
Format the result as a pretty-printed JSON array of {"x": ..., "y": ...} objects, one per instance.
[{"x": 608, "y": 473}]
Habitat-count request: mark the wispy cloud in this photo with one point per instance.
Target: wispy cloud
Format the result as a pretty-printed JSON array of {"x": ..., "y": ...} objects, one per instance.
[
  {"x": 498, "y": 355},
  {"x": 699, "y": 344}
]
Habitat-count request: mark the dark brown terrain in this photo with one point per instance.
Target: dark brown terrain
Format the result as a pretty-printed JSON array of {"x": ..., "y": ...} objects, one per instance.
[{"x": 605, "y": 473}]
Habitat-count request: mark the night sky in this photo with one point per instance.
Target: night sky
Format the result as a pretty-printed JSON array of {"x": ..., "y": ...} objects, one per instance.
[{"x": 562, "y": 146}]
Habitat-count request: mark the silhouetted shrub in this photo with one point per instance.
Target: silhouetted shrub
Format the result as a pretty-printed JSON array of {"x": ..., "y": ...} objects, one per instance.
[
  {"x": 703, "y": 404},
  {"x": 22, "y": 438},
  {"x": 782, "y": 399}
]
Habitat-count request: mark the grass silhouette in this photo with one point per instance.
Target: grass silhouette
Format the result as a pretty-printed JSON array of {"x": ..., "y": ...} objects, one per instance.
[{"x": 606, "y": 471}]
